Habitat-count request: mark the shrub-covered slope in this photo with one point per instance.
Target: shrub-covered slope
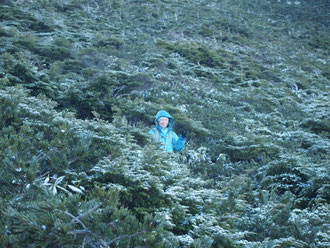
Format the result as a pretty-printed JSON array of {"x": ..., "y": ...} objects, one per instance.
[{"x": 81, "y": 81}]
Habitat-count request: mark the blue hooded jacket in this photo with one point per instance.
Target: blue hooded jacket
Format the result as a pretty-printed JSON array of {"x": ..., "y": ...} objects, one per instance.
[{"x": 167, "y": 138}]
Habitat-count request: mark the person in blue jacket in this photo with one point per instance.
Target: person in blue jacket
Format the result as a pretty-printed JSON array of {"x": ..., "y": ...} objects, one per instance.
[{"x": 164, "y": 134}]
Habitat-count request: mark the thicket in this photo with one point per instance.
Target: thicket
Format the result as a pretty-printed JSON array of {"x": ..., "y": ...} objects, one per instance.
[{"x": 81, "y": 81}]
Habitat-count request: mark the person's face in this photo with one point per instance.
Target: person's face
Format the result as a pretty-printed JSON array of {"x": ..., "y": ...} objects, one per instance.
[{"x": 163, "y": 122}]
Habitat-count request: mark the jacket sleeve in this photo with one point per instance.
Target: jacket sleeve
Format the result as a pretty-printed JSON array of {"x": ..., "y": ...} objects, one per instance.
[{"x": 178, "y": 142}]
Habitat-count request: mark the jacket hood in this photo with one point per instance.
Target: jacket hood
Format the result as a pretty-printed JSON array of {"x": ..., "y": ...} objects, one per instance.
[{"x": 163, "y": 113}]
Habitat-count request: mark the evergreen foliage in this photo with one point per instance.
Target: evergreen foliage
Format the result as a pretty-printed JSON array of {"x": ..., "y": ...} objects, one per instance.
[{"x": 81, "y": 81}]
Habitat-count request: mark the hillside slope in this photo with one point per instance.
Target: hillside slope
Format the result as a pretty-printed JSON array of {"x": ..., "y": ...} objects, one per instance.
[{"x": 81, "y": 82}]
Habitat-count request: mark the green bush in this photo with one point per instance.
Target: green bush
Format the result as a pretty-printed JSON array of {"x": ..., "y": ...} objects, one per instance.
[
  {"x": 55, "y": 53},
  {"x": 285, "y": 175},
  {"x": 250, "y": 89},
  {"x": 23, "y": 72},
  {"x": 38, "y": 139},
  {"x": 28, "y": 41},
  {"x": 250, "y": 147},
  {"x": 144, "y": 192},
  {"x": 321, "y": 126},
  {"x": 114, "y": 42},
  {"x": 62, "y": 220},
  {"x": 195, "y": 53},
  {"x": 23, "y": 19}
]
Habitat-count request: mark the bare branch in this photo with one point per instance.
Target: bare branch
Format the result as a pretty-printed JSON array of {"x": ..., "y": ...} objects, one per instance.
[
  {"x": 79, "y": 232},
  {"x": 74, "y": 218},
  {"x": 127, "y": 236},
  {"x": 90, "y": 211},
  {"x": 73, "y": 160},
  {"x": 113, "y": 223}
]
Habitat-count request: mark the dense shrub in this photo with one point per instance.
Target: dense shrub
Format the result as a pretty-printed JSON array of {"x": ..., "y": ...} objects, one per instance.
[
  {"x": 81, "y": 81},
  {"x": 285, "y": 175},
  {"x": 194, "y": 53}
]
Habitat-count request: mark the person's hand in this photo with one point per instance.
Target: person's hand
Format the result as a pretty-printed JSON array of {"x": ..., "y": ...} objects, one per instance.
[{"x": 184, "y": 134}]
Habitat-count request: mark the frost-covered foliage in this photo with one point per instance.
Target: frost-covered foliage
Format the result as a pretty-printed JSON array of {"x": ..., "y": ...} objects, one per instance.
[{"x": 81, "y": 81}]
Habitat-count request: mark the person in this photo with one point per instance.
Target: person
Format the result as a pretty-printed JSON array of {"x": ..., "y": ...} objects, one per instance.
[{"x": 163, "y": 133}]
